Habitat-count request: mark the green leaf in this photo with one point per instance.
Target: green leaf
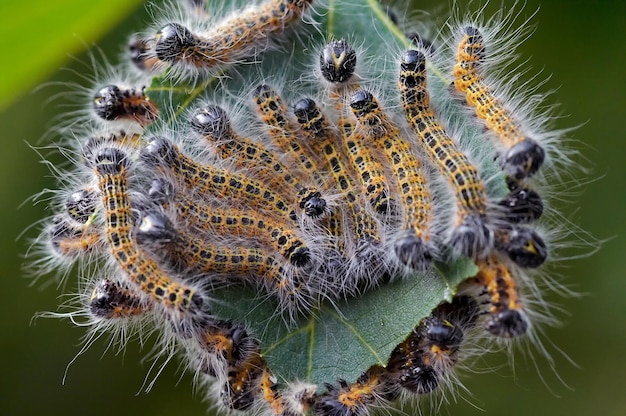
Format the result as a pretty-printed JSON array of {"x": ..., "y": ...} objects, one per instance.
[
  {"x": 38, "y": 36},
  {"x": 342, "y": 340}
]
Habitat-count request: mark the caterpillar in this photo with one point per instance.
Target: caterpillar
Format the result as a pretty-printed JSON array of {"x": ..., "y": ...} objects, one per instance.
[
  {"x": 111, "y": 168},
  {"x": 238, "y": 36},
  {"x": 523, "y": 156},
  {"x": 413, "y": 247},
  {"x": 471, "y": 235}
]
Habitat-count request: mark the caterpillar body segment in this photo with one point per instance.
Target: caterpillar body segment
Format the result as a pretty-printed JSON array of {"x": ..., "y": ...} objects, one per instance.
[
  {"x": 284, "y": 132},
  {"x": 522, "y": 156},
  {"x": 234, "y": 223},
  {"x": 507, "y": 317},
  {"x": 227, "y": 353},
  {"x": 292, "y": 400},
  {"x": 337, "y": 65},
  {"x": 241, "y": 388},
  {"x": 371, "y": 172},
  {"x": 315, "y": 131},
  {"x": 191, "y": 55},
  {"x": 213, "y": 123},
  {"x": 471, "y": 234},
  {"x": 370, "y": 390},
  {"x": 425, "y": 360},
  {"x": 409, "y": 371},
  {"x": 111, "y": 168},
  {"x": 314, "y": 125},
  {"x": 413, "y": 247},
  {"x": 269, "y": 392},
  {"x": 197, "y": 257},
  {"x": 240, "y": 223},
  {"x": 338, "y": 61},
  {"x": 220, "y": 345},
  {"x": 229, "y": 340},
  {"x": 218, "y": 182}
]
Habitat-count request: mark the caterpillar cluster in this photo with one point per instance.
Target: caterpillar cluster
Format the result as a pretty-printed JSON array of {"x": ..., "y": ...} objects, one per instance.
[{"x": 367, "y": 177}]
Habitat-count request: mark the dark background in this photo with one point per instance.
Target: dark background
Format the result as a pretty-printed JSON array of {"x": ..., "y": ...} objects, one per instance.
[{"x": 582, "y": 43}]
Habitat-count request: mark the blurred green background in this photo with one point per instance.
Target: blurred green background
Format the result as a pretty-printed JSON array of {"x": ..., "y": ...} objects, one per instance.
[{"x": 582, "y": 43}]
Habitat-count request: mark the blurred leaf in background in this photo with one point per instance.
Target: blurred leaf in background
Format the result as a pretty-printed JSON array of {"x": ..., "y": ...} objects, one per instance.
[{"x": 37, "y": 36}]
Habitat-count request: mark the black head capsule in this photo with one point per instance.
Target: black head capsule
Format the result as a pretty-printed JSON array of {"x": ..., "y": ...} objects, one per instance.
[
  {"x": 524, "y": 159},
  {"x": 61, "y": 230},
  {"x": 111, "y": 299},
  {"x": 108, "y": 103},
  {"x": 463, "y": 311},
  {"x": 161, "y": 191},
  {"x": 522, "y": 204},
  {"x": 81, "y": 205},
  {"x": 412, "y": 74},
  {"x": 313, "y": 203},
  {"x": 306, "y": 110},
  {"x": 137, "y": 49},
  {"x": 138, "y": 52},
  {"x": 211, "y": 121},
  {"x": 413, "y": 252},
  {"x": 443, "y": 334},
  {"x": 362, "y": 103},
  {"x": 407, "y": 368},
  {"x": 472, "y": 237},
  {"x": 155, "y": 228},
  {"x": 159, "y": 151},
  {"x": 473, "y": 33},
  {"x": 112, "y": 103},
  {"x": 338, "y": 61},
  {"x": 172, "y": 41},
  {"x": 309, "y": 116},
  {"x": 110, "y": 160},
  {"x": 507, "y": 324},
  {"x": 243, "y": 342},
  {"x": 90, "y": 147},
  {"x": 413, "y": 60},
  {"x": 94, "y": 143},
  {"x": 523, "y": 246},
  {"x": 263, "y": 92},
  {"x": 422, "y": 379}
]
